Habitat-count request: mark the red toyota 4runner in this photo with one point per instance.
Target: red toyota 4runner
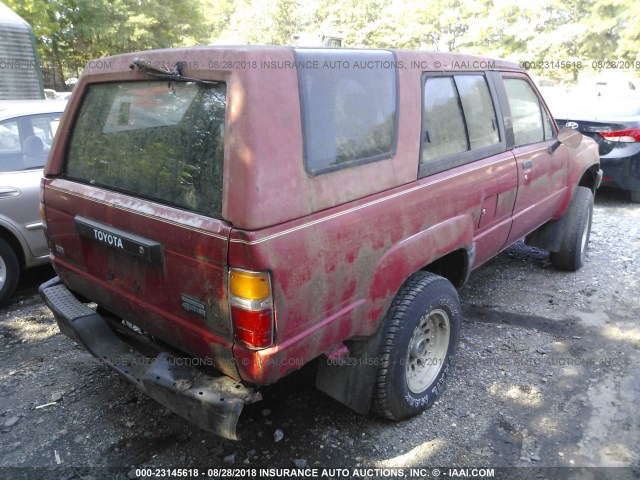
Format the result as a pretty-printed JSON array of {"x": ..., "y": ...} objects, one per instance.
[{"x": 219, "y": 217}]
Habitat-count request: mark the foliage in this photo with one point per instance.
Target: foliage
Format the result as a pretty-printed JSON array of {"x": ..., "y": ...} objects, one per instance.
[{"x": 71, "y": 32}]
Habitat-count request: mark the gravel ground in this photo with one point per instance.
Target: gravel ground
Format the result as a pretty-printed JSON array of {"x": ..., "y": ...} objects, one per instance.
[{"x": 546, "y": 376}]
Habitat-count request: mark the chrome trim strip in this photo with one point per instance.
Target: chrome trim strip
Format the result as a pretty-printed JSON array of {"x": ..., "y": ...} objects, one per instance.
[
  {"x": 354, "y": 209},
  {"x": 34, "y": 226},
  {"x": 299, "y": 227},
  {"x": 147, "y": 215},
  {"x": 250, "y": 305}
]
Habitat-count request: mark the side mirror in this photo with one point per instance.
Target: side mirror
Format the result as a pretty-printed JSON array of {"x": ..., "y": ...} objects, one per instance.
[{"x": 566, "y": 136}]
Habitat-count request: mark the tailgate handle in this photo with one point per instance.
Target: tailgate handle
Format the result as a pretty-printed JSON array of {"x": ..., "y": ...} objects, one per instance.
[{"x": 120, "y": 240}]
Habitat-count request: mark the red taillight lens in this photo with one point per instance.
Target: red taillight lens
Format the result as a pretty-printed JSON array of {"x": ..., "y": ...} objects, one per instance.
[
  {"x": 630, "y": 135},
  {"x": 253, "y": 329},
  {"x": 251, "y": 306}
]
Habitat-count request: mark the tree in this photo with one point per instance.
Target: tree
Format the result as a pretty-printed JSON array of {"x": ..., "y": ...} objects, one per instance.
[
  {"x": 628, "y": 47},
  {"x": 71, "y": 32},
  {"x": 266, "y": 22}
]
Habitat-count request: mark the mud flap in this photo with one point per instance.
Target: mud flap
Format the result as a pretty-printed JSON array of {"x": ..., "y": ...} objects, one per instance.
[
  {"x": 351, "y": 380},
  {"x": 213, "y": 403},
  {"x": 548, "y": 236}
]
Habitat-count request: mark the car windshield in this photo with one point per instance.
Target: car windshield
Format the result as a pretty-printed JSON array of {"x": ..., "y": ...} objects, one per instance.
[{"x": 158, "y": 140}]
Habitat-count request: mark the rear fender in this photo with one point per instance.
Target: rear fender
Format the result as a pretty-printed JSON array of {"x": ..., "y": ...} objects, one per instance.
[
  {"x": 351, "y": 381},
  {"x": 415, "y": 253}
]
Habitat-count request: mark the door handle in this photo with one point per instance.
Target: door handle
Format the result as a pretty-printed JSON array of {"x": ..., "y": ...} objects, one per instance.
[
  {"x": 527, "y": 165},
  {"x": 6, "y": 192}
]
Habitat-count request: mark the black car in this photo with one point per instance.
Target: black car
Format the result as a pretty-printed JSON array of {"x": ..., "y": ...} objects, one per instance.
[{"x": 613, "y": 121}]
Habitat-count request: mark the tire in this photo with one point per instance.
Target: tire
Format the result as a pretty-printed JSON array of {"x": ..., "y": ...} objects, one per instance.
[
  {"x": 9, "y": 272},
  {"x": 414, "y": 359},
  {"x": 635, "y": 196},
  {"x": 575, "y": 239}
]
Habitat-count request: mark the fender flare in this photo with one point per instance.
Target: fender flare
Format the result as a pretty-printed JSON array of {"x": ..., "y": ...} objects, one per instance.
[
  {"x": 416, "y": 252},
  {"x": 353, "y": 384}
]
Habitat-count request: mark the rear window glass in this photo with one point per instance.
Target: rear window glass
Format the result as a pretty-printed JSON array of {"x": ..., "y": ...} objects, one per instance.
[
  {"x": 348, "y": 107},
  {"x": 157, "y": 140}
]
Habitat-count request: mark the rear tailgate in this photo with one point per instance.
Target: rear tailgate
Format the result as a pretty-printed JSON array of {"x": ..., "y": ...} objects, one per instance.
[{"x": 133, "y": 217}]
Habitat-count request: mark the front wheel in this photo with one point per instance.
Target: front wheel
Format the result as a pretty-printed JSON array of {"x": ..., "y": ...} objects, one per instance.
[
  {"x": 9, "y": 271},
  {"x": 421, "y": 334},
  {"x": 575, "y": 238}
]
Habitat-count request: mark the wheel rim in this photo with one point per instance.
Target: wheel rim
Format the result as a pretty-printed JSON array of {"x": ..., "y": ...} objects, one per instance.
[
  {"x": 3, "y": 272},
  {"x": 427, "y": 350}
]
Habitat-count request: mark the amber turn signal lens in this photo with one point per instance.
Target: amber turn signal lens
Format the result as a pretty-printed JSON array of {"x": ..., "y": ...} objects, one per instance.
[{"x": 249, "y": 285}]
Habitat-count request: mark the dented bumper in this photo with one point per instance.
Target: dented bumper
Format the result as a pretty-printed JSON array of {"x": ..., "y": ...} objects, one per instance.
[{"x": 209, "y": 402}]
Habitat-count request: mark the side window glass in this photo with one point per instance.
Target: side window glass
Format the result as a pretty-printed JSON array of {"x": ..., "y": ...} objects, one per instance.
[
  {"x": 10, "y": 148},
  {"x": 525, "y": 112},
  {"x": 548, "y": 129},
  {"x": 35, "y": 148},
  {"x": 9, "y": 137},
  {"x": 478, "y": 110},
  {"x": 444, "y": 130},
  {"x": 31, "y": 151},
  {"x": 348, "y": 113},
  {"x": 45, "y": 127}
]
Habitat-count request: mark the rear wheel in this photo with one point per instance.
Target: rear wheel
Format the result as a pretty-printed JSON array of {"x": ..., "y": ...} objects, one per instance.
[
  {"x": 635, "y": 196},
  {"x": 576, "y": 235},
  {"x": 9, "y": 271},
  {"x": 421, "y": 334}
]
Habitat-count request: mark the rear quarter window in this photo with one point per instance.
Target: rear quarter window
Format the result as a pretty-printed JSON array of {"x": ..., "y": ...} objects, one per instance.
[
  {"x": 349, "y": 106},
  {"x": 157, "y": 140}
]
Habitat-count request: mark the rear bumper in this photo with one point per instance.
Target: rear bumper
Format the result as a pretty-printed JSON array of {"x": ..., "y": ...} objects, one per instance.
[
  {"x": 621, "y": 168},
  {"x": 211, "y": 403}
]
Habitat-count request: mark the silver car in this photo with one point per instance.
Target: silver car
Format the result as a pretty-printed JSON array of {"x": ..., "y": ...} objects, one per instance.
[{"x": 27, "y": 129}]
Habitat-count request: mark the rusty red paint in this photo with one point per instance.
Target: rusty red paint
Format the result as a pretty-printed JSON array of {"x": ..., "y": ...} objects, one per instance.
[{"x": 338, "y": 246}]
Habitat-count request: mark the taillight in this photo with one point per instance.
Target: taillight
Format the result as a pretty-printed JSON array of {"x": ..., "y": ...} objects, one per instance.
[
  {"x": 251, "y": 306},
  {"x": 43, "y": 215},
  {"x": 627, "y": 136}
]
